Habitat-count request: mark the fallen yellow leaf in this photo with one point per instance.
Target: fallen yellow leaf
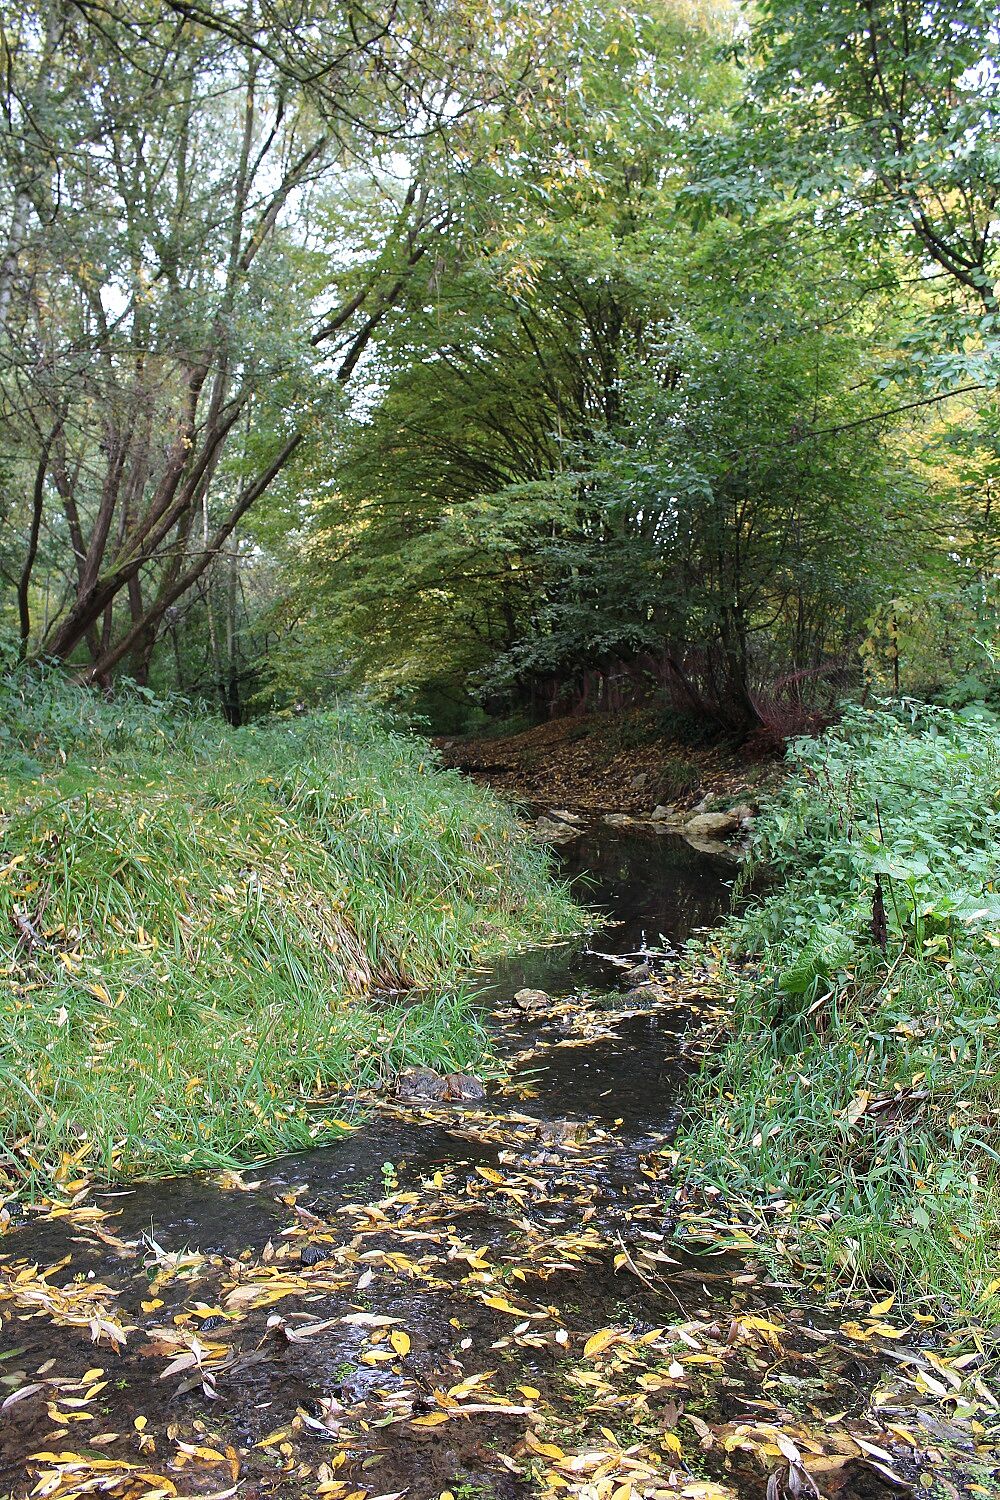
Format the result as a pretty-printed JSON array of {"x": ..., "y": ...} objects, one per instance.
[
  {"x": 600, "y": 1341},
  {"x": 547, "y": 1450}
]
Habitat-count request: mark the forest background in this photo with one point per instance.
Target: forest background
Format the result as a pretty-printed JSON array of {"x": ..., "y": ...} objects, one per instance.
[{"x": 502, "y": 359}]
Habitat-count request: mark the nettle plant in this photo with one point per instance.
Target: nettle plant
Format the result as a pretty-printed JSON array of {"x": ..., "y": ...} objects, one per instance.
[{"x": 888, "y": 842}]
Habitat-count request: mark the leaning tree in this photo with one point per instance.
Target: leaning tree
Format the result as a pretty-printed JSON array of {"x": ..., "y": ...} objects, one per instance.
[{"x": 211, "y": 210}]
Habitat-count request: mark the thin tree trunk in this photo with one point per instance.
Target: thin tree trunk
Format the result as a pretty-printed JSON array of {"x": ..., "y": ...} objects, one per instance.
[
  {"x": 232, "y": 707},
  {"x": 8, "y": 268},
  {"x": 213, "y": 635},
  {"x": 34, "y": 532}
]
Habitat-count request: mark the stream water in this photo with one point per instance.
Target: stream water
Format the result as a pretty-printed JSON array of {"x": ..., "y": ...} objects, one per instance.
[{"x": 492, "y": 1240}]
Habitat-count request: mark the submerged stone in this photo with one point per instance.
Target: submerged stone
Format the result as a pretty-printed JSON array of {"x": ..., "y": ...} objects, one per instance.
[
  {"x": 532, "y": 1000},
  {"x": 636, "y": 975},
  {"x": 426, "y": 1083}
]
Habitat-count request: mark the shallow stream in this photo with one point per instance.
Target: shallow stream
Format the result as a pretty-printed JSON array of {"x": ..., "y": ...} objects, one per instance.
[{"x": 413, "y": 1309}]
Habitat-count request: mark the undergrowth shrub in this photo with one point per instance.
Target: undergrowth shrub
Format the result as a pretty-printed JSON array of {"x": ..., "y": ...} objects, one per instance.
[
  {"x": 857, "y": 1095},
  {"x": 204, "y": 932}
]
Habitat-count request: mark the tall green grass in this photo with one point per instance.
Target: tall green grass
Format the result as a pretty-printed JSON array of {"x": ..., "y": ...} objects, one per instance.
[
  {"x": 856, "y": 1102},
  {"x": 201, "y": 929}
]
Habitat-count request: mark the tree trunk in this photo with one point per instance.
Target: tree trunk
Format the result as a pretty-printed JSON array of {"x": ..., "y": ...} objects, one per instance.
[
  {"x": 232, "y": 707},
  {"x": 34, "y": 532}
]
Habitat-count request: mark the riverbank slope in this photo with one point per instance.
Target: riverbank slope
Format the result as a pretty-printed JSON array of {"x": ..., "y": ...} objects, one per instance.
[
  {"x": 853, "y": 1107},
  {"x": 202, "y": 930}
]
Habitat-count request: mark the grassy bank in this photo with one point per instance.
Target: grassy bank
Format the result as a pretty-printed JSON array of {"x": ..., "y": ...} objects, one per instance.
[
  {"x": 193, "y": 922},
  {"x": 855, "y": 1102}
]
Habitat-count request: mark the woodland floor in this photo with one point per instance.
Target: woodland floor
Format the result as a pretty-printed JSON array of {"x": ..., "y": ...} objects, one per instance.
[{"x": 608, "y": 763}]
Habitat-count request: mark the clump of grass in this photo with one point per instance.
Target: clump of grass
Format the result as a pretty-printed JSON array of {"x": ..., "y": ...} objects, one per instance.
[
  {"x": 676, "y": 776},
  {"x": 856, "y": 1100},
  {"x": 199, "y": 928}
]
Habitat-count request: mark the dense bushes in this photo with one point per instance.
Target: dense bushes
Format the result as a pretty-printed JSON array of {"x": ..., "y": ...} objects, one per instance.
[
  {"x": 193, "y": 923},
  {"x": 858, "y": 1092}
]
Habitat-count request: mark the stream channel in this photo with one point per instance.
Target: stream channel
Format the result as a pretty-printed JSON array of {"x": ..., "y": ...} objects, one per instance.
[{"x": 412, "y": 1309}]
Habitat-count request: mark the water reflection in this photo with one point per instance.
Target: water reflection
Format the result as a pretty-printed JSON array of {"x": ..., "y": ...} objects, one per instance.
[
  {"x": 647, "y": 891},
  {"x": 656, "y": 887}
]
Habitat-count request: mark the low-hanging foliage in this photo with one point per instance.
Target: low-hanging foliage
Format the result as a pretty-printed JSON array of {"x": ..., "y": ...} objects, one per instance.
[
  {"x": 198, "y": 927},
  {"x": 859, "y": 1089}
]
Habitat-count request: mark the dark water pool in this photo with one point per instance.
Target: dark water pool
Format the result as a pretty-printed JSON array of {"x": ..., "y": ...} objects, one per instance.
[{"x": 651, "y": 893}]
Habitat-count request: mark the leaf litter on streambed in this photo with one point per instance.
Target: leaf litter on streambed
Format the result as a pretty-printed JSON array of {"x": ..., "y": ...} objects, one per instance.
[{"x": 515, "y": 1314}]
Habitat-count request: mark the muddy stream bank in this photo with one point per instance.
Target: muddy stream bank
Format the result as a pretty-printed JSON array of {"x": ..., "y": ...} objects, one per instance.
[{"x": 499, "y": 1298}]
